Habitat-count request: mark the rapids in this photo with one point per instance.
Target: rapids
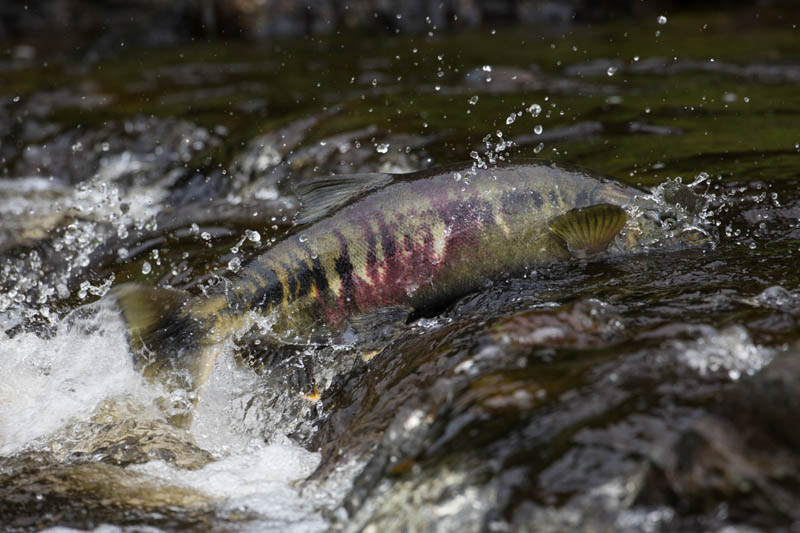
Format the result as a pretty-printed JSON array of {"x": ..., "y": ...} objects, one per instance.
[{"x": 646, "y": 391}]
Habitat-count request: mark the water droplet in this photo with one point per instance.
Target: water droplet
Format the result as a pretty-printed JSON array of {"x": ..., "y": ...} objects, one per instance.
[
  {"x": 235, "y": 264},
  {"x": 122, "y": 252},
  {"x": 511, "y": 118},
  {"x": 473, "y": 100},
  {"x": 538, "y": 129},
  {"x": 611, "y": 70},
  {"x": 437, "y": 88},
  {"x": 253, "y": 236},
  {"x": 534, "y": 110},
  {"x": 662, "y": 19},
  {"x": 206, "y": 236},
  {"x": 303, "y": 238},
  {"x": 382, "y": 148},
  {"x": 539, "y": 147},
  {"x": 146, "y": 267},
  {"x": 487, "y": 68},
  {"x": 15, "y": 99}
]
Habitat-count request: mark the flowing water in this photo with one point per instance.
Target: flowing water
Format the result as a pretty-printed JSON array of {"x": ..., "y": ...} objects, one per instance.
[{"x": 654, "y": 391}]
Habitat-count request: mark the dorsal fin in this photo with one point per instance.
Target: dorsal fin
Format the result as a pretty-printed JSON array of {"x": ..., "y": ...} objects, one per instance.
[
  {"x": 326, "y": 194},
  {"x": 588, "y": 230}
]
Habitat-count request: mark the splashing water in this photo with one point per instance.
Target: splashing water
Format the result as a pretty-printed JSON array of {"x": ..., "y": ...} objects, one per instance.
[
  {"x": 63, "y": 379},
  {"x": 729, "y": 350},
  {"x": 81, "y": 381}
]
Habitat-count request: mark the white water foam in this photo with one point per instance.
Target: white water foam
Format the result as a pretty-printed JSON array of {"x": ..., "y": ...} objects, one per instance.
[
  {"x": 730, "y": 351},
  {"x": 48, "y": 385}
]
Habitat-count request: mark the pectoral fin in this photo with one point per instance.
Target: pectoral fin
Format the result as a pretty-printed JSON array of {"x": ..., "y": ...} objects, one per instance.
[{"x": 588, "y": 230}]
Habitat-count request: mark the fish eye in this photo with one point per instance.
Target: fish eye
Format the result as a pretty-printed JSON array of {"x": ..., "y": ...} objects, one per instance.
[{"x": 669, "y": 220}]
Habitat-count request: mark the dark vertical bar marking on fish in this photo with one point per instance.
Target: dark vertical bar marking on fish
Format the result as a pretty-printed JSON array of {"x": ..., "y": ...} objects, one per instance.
[
  {"x": 372, "y": 256},
  {"x": 320, "y": 278},
  {"x": 271, "y": 293},
  {"x": 303, "y": 275},
  {"x": 408, "y": 243},
  {"x": 344, "y": 269},
  {"x": 313, "y": 276},
  {"x": 291, "y": 281},
  {"x": 388, "y": 242}
]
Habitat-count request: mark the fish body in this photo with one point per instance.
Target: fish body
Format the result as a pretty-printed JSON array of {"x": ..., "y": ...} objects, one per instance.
[
  {"x": 412, "y": 241},
  {"x": 418, "y": 242}
]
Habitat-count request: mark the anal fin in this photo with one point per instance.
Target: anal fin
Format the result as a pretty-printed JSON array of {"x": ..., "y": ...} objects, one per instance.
[{"x": 378, "y": 328}]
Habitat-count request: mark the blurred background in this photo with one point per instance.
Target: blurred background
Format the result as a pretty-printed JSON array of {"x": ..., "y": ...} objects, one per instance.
[{"x": 98, "y": 27}]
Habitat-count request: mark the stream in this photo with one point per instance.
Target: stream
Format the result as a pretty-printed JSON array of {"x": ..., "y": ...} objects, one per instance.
[{"x": 648, "y": 391}]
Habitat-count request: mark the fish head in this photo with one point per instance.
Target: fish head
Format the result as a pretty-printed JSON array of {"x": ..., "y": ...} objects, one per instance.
[{"x": 672, "y": 216}]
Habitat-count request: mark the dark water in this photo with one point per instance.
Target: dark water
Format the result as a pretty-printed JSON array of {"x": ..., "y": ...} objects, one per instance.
[{"x": 648, "y": 392}]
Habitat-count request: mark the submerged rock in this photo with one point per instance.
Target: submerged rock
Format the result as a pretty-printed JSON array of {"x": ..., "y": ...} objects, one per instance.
[
  {"x": 742, "y": 455},
  {"x": 37, "y": 491}
]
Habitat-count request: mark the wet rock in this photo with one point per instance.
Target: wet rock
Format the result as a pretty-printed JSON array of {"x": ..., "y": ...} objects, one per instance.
[
  {"x": 770, "y": 400},
  {"x": 743, "y": 454},
  {"x": 582, "y": 324},
  {"x": 273, "y": 164},
  {"x": 137, "y": 151},
  {"x": 595, "y": 67},
  {"x": 259, "y": 165},
  {"x": 496, "y": 79},
  {"x": 502, "y": 78},
  {"x": 775, "y": 297},
  {"x": 37, "y": 491},
  {"x": 653, "y": 129},
  {"x": 663, "y": 66},
  {"x": 573, "y": 131},
  {"x": 490, "y": 426},
  {"x": 129, "y": 442}
]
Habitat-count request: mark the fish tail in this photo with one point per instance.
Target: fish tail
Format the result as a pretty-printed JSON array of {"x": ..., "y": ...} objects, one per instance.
[{"x": 170, "y": 341}]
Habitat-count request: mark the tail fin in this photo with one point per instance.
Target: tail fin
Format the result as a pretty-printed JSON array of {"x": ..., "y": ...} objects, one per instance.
[{"x": 169, "y": 342}]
